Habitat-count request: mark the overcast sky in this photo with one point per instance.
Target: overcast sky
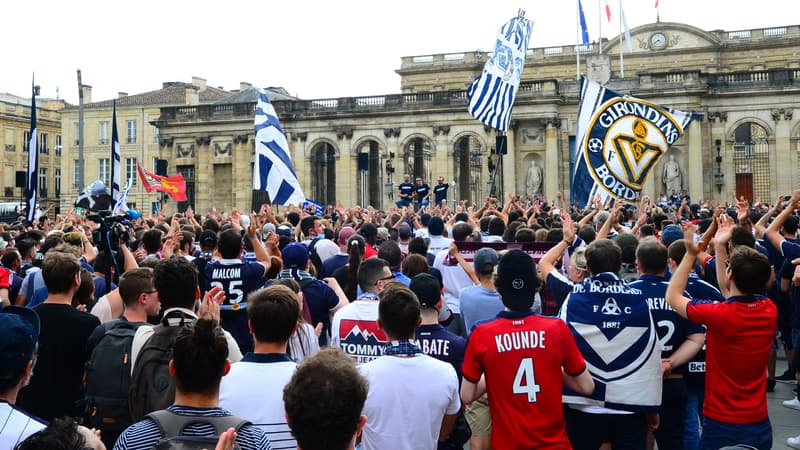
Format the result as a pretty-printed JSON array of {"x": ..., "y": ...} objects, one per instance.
[{"x": 314, "y": 49}]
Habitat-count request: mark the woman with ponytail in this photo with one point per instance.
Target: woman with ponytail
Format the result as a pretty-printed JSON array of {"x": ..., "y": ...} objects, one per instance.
[{"x": 346, "y": 275}]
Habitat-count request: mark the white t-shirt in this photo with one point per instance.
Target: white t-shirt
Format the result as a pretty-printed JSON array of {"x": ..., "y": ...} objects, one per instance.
[
  {"x": 253, "y": 390},
  {"x": 355, "y": 331},
  {"x": 454, "y": 279},
  {"x": 407, "y": 400},
  {"x": 326, "y": 248},
  {"x": 439, "y": 243},
  {"x": 102, "y": 309},
  {"x": 16, "y": 425}
]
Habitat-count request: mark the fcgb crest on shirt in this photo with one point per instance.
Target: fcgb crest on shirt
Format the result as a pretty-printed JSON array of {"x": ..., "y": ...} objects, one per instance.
[{"x": 619, "y": 141}]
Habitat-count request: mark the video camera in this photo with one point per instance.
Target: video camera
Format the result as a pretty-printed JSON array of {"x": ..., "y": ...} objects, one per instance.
[{"x": 112, "y": 229}]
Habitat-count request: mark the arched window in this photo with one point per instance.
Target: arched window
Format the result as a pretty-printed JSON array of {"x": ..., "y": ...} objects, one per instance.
[
  {"x": 323, "y": 173},
  {"x": 467, "y": 165},
  {"x": 751, "y": 161},
  {"x": 417, "y": 156},
  {"x": 370, "y": 181}
]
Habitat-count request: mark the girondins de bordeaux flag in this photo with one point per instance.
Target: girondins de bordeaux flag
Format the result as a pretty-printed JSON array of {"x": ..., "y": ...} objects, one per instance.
[
  {"x": 174, "y": 185},
  {"x": 619, "y": 141}
]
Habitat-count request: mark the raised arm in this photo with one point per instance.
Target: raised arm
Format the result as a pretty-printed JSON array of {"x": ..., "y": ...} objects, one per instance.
[{"x": 677, "y": 284}]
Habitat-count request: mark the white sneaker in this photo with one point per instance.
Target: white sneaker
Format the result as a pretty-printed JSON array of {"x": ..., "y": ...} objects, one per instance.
[
  {"x": 793, "y": 442},
  {"x": 793, "y": 404}
]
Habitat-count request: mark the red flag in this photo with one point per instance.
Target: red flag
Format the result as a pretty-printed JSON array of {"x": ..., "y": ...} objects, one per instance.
[
  {"x": 656, "y": 3},
  {"x": 174, "y": 186},
  {"x": 608, "y": 11}
]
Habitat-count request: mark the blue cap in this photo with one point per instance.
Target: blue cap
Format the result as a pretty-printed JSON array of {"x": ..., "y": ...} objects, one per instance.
[
  {"x": 19, "y": 332},
  {"x": 670, "y": 234}
]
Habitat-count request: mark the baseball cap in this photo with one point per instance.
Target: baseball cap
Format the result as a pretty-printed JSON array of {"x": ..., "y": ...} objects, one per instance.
[
  {"x": 284, "y": 230},
  {"x": 427, "y": 289},
  {"x": 295, "y": 255},
  {"x": 208, "y": 238},
  {"x": 670, "y": 234},
  {"x": 484, "y": 257},
  {"x": 436, "y": 226},
  {"x": 19, "y": 331},
  {"x": 344, "y": 234},
  {"x": 269, "y": 226},
  {"x": 516, "y": 280}
]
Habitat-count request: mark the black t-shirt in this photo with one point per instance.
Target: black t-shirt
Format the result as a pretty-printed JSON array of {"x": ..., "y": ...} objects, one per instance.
[
  {"x": 58, "y": 375},
  {"x": 440, "y": 192},
  {"x": 422, "y": 191},
  {"x": 406, "y": 190}
]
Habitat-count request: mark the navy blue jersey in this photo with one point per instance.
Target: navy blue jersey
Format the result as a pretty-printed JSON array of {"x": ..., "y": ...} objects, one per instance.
[
  {"x": 437, "y": 342},
  {"x": 672, "y": 328},
  {"x": 440, "y": 192},
  {"x": 406, "y": 190},
  {"x": 237, "y": 278}
]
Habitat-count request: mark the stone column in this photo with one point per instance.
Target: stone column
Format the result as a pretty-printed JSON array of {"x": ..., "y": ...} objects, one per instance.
[
  {"x": 510, "y": 169},
  {"x": 550, "y": 187},
  {"x": 347, "y": 172},
  {"x": 785, "y": 164},
  {"x": 718, "y": 121},
  {"x": 441, "y": 163},
  {"x": 301, "y": 160},
  {"x": 693, "y": 182}
]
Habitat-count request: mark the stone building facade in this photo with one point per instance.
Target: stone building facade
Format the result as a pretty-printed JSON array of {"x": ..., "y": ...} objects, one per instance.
[
  {"x": 15, "y": 124},
  {"x": 745, "y": 84},
  {"x": 138, "y": 139}
]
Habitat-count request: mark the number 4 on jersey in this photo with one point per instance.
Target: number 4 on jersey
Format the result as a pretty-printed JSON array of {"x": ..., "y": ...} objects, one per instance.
[{"x": 525, "y": 374}]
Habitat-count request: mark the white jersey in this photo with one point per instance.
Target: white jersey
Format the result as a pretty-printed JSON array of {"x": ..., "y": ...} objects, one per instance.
[{"x": 16, "y": 425}]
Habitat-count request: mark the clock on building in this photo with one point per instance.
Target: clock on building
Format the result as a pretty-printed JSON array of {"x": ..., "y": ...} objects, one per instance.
[{"x": 658, "y": 41}]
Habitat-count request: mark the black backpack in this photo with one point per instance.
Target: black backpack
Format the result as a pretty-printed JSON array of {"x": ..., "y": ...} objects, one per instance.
[
  {"x": 152, "y": 386},
  {"x": 314, "y": 256},
  {"x": 172, "y": 424},
  {"x": 108, "y": 378}
]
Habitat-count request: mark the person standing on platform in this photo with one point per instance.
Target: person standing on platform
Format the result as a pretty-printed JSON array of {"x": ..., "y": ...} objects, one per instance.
[{"x": 440, "y": 192}]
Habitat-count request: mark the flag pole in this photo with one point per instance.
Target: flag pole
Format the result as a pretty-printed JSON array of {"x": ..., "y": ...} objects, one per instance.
[
  {"x": 621, "y": 50},
  {"x": 599, "y": 27},
  {"x": 580, "y": 41}
]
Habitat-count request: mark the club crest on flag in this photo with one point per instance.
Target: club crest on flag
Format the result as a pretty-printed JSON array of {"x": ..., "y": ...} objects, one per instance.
[{"x": 620, "y": 139}]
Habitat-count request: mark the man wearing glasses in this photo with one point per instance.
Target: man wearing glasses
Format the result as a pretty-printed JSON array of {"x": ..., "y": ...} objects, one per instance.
[{"x": 355, "y": 329}]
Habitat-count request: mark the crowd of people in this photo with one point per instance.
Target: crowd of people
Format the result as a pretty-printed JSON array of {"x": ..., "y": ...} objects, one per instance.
[{"x": 379, "y": 329}]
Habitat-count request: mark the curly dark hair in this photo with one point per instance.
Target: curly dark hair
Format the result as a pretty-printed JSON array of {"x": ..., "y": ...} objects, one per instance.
[
  {"x": 175, "y": 279},
  {"x": 324, "y": 399},
  {"x": 60, "y": 434}
]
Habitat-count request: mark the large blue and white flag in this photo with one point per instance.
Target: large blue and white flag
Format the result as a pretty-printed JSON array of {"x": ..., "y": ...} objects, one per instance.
[
  {"x": 491, "y": 95},
  {"x": 31, "y": 190},
  {"x": 273, "y": 170},
  {"x": 618, "y": 142},
  {"x": 122, "y": 203},
  {"x": 115, "y": 156}
]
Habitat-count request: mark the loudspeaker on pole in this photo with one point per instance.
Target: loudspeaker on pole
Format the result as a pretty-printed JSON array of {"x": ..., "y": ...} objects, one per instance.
[
  {"x": 363, "y": 161},
  {"x": 501, "y": 143},
  {"x": 21, "y": 175}
]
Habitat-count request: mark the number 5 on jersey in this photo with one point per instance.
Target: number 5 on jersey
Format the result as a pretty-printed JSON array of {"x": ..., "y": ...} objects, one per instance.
[
  {"x": 525, "y": 374},
  {"x": 235, "y": 295}
]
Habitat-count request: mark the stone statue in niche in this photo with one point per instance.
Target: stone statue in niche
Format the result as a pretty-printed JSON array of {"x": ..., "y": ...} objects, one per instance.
[
  {"x": 534, "y": 179},
  {"x": 672, "y": 176}
]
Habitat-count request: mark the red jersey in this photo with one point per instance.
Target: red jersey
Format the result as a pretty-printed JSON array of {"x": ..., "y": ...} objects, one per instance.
[
  {"x": 522, "y": 355},
  {"x": 5, "y": 279},
  {"x": 739, "y": 335}
]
